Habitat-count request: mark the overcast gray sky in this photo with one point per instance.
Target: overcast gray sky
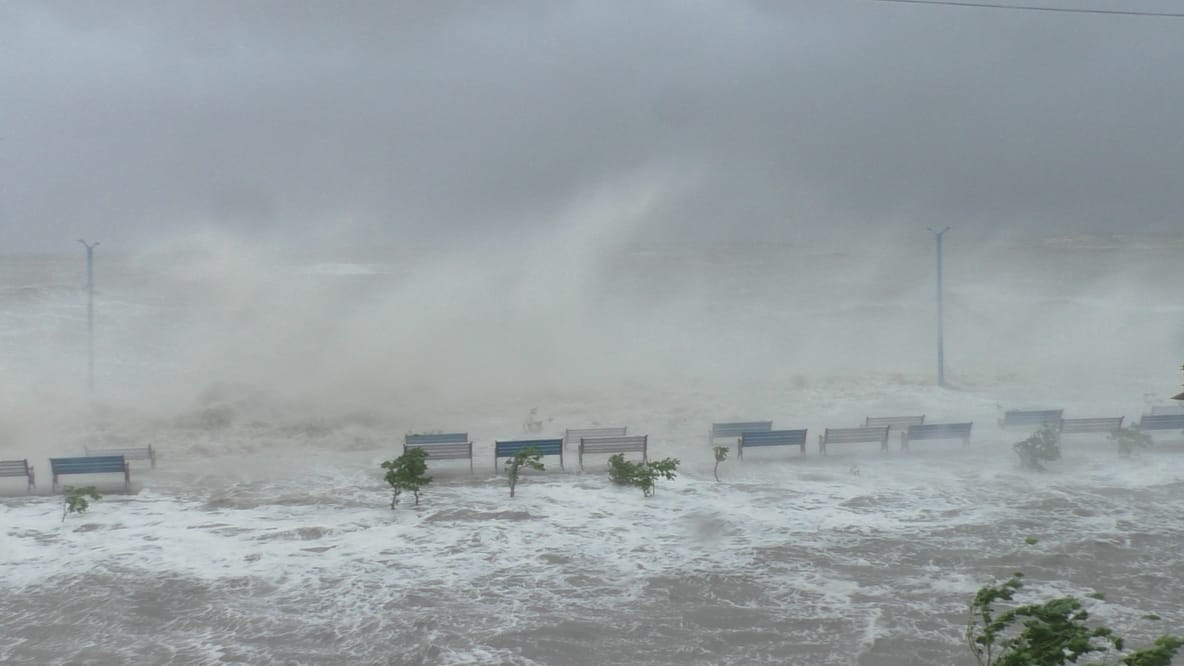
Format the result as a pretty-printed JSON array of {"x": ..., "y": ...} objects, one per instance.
[{"x": 131, "y": 120}]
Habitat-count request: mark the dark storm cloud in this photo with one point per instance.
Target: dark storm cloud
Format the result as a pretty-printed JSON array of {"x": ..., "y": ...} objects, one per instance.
[{"x": 122, "y": 119}]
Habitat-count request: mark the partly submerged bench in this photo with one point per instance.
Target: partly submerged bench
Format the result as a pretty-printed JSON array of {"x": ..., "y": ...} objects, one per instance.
[
  {"x": 91, "y": 465},
  {"x": 442, "y": 446},
  {"x": 18, "y": 468},
  {"x": 935, "y": 431},
  {"x": 508, "y": 448},
  {"x": 737, "y": 428},
  {"x": 1161, "y": 422},
  {"x": 618, "y": 444},
  {"x": 1105, "y": 424},
  {"x": 574, "y": 435},
  {"x": 144, "y": 453},
  {"x": 771, "y": 438},
  {"x": 1031, "y": 417},
  {"x": 893, "y": 422},
  {"x": 853, "y": 436}
]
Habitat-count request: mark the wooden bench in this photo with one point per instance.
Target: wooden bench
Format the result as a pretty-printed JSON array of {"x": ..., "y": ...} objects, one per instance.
[
  {"x": 771, "y": 438},
  {"x": 91, "y": 465},
  {"x": 737, "y": 428},
  {"x": 573, "y": 435},
  {"x": 508, "y": 448},
  {"x": 893, "y": 422},
  {"x": 619, "y": 444},
  {"x": 18, "y": 468},
  {"x": 935, "y": 431},
  {"x": 1031, "y": 417},
  {"x": 853, "y": 436},
  {"x": 1105, "y": 424},
  {"x": 442, "y": 446},
  {"x": 145, "y": 453},
  {"x": 1161, "y": 422}
]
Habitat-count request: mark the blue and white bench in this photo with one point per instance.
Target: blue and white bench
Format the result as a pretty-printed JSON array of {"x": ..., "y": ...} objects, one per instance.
[
  {"x": 771, "y": 438},
  {"x": 18, "y": 468},
  {"x": 91, "y": 465},
  {"x": 508, "y": 448},
  {"x": 853, "y": 436},
  {"x": 614, "y": 445},
  {"x": 573, "y": 435},
  {"x": 734, "y": 429},
  {"x": 1161, "y": 422},
  {"x": 144, "y": 453},
  {"x": 1105, "y": 424},
  {"x": 935, "y": 431},
  {"x": 442, "y": 446},
  {"x": 1031, "y": 418},
  {"x": 893, "y": 422}
]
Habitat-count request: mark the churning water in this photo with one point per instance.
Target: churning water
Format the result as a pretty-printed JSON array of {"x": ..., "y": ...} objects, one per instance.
[{"x": 273, "y": 389}]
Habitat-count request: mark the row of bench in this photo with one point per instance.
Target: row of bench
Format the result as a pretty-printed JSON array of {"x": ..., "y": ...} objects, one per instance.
[
  {"x": 96, "y": 461},
  {"x": 913, "y": 428},
  {"x": 589, "y": 441}
]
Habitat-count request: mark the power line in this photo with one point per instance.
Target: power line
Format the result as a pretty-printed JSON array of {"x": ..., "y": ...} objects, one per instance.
[{"x": 1035, "y": 8}]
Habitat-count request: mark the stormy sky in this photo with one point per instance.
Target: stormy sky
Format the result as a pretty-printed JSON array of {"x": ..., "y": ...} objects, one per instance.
[{"x": 127, "y": 121}]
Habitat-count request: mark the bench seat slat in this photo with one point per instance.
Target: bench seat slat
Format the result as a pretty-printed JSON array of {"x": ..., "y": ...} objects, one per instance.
[
  {"x": 90, "y": 465},
  {"x": 1091, "y": 425},
  {"x": 617, "y": 444},
  {"x": 16, "y": 468},
  {"x": 1162, "y": 422},
  {"x": 772, "y": 438},
  {"x": 936, "y": 431},
  {"x": 1031, "y": 417},
  {"x": 508, "y": 448},
  {"x": 853, "y": 436}
]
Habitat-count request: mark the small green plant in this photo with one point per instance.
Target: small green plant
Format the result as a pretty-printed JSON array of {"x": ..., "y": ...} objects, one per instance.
[
  {"x": 721, "y": 454},
  {"x": 1129, "y": 440},
  {"x": 1043, "y": 446},
  {"x": 644, "y": 475},
  {"x": 1053, "y": 633},
  {"x": 1031, "y": 541},
  {"x": 530, "y": 457},
  {"x": 406, "y": 474},
  {"x": 75, "y": 500}
]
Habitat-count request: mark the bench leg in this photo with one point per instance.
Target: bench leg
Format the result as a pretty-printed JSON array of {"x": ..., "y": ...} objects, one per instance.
[
  {"x": 822, "y": 444},
  {"x": 127, "y": 476}
]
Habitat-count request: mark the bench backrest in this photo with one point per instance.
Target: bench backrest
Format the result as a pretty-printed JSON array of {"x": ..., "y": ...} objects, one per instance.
[
  {"x": 1103, "y": 424},
  {"x": 938, "y": 431},
  {"x": 1031, "y": 417},
  {"x": 14, "y": 467},
  {"x": 773, "y": 438},
  {"x": 853, "y": 435},
  {"x": 412, "y": 441},
  {"x": 574, "y": 435},
  {"x": 508, "y": 448},
  {"x": 622, "y": 444},
  {"x": 1160, "y": 410},
  {"x": 144, "y": 453},
  {"x": 895, "y": 422},
  {"x": 1162, "y": 422},
  {"x": 737, "y": 428},
  {"x": 87, "y": 465}
]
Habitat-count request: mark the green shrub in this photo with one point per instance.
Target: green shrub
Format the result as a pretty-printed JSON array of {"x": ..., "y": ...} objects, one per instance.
[
  {"x": 1129, "y": 440},
  {"x": 75, "y": 500},
  {"x": 1043, "y": 446},
  {"x": 644, "y": 475},
  {"x": 530, "y": 457},
  {"x": 406, "y": 474},
  {"x": 1053, "y": 633},
  {"x": 721, "y": 454}
]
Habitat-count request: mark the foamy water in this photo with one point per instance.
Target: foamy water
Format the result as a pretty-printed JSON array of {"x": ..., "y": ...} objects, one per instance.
[{"x": 265, "y": 535}]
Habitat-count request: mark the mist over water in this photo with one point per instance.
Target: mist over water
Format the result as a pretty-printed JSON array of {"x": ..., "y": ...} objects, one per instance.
[{"x": 273, "y": 378}]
